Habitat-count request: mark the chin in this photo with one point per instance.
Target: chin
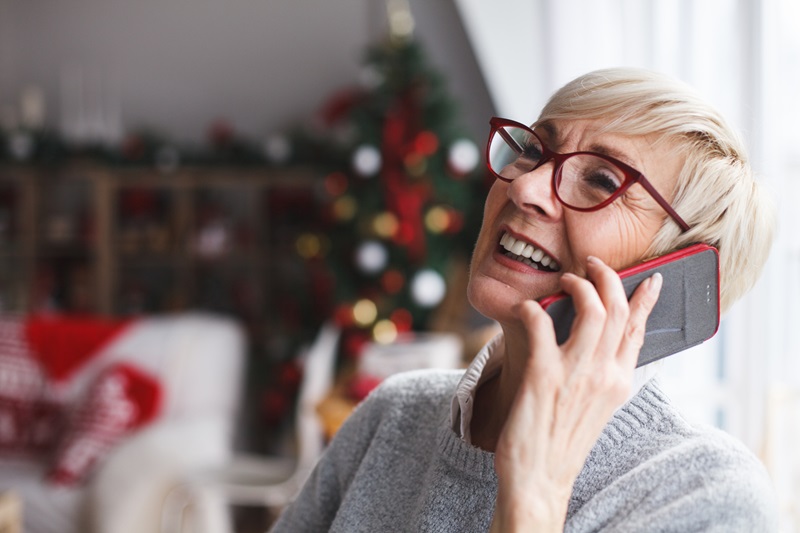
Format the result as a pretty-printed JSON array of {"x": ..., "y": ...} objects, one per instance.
[{"x": 493, "y": 299}]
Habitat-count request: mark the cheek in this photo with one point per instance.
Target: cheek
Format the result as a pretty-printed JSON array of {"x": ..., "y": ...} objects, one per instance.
[
  {"x": 495, "y": 199},
  {"x": 491, "y": 211},
  {"x": 619, "y": 242}
]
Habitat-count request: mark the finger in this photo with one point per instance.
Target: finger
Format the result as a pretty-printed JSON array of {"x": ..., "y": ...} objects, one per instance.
[
  {"x": 612, "y": 295},
  {"x": 590, "y": 315},
  {"x": 537, "y": 324},
  {"x": 542, "y": 372},
  {"x": 642, "y": 302},
  {"x": 544, "y": 355}
]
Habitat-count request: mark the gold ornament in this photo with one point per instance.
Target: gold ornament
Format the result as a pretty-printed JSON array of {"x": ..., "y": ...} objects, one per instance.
[
  {"x": 385, "y": 225},
  {"x": 437, "y": 219},
  {"x": 344, "y": 208},
  {"x": 365, "y": 312},
  {"x": 384, "y": 332}
]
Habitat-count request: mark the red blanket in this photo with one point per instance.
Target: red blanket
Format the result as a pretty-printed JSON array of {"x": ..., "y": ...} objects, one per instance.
[{"x": 63, "y": 344}]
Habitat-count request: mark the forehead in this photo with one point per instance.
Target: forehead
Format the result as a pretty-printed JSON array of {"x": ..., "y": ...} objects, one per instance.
[
  {"x": 592, "y": 136},
  {"x": 651, "y": 155}
]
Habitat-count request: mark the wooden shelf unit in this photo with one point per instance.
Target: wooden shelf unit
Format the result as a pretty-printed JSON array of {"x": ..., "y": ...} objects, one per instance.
[{"x": 87, "y": 232}]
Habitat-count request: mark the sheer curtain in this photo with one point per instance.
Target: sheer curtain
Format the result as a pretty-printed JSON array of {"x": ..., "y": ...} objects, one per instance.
[{"x": 744, "y": 56}]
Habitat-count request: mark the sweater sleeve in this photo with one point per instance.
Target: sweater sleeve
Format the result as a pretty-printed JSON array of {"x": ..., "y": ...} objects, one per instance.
[
  {"x": 703, "y": 486},
  {"x": 316, "y": 505}
]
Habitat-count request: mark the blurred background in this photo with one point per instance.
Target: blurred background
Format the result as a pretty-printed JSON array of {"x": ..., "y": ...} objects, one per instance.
[{"x": 210, "y": 203}]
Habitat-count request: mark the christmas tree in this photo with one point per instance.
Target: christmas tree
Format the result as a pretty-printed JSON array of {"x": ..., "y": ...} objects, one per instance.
[{"x": 401, "y": 198}]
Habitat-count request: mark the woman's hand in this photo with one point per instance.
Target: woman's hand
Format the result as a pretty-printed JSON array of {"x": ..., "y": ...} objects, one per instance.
[{"x": 567, "y": 394}]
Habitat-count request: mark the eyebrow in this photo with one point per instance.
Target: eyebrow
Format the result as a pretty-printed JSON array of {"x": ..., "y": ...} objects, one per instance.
[{"x": 601, "y": 149}]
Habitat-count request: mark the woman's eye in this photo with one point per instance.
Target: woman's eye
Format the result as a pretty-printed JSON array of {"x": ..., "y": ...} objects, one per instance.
[
  {"x": 531, "y": 151},
  {"x": 602, "y": 181}
]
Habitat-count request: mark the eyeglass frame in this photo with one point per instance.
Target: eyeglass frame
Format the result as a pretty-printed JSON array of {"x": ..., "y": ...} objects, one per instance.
[{"x": 631, "y": 174}]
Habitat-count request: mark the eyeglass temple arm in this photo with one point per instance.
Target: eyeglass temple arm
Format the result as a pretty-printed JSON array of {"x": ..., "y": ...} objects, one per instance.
[
  {"x": 663, "y": 203},
  {"x": 511, "y": 141}
]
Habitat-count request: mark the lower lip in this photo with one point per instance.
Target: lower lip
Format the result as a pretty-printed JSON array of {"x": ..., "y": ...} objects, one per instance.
[{"x": 513, "y": 264}]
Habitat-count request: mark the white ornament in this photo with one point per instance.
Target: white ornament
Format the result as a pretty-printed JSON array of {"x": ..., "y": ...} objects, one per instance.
[
  {"x": 428, "y": 288},
  {"x": 277, "y": 149},
  {"x": 372, "y": 257},
  {"x": 367, "y": 161},
  {"x": 463, "y": 156}
]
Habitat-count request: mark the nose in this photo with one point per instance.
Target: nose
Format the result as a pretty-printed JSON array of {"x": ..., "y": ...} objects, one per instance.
[{"x": 533, "y": 192}]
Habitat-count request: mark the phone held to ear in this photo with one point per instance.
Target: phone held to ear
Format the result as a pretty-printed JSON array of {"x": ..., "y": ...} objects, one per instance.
[{"x": 687, "y": 311}]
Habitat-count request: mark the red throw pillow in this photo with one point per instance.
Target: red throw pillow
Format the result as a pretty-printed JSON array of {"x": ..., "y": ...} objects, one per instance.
[
  {"x": 63, "y": 344},
  {"x": 121, "y": 399}
]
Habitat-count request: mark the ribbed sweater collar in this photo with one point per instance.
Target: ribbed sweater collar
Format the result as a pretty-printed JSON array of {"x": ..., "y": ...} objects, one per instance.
[
  {"x": 487, "y": 363},
  {"x": 645, "y": 411}
]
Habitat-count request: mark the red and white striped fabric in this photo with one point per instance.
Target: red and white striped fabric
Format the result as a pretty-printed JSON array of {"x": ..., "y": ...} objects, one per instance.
[
  {"x": 28, "y": 422},
  {"x": 120, "y": 400},
  {"x": 37, "y": 357}
]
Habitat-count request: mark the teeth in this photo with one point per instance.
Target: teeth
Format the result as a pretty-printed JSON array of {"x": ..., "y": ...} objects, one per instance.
[{"x": 527, "y": 253}]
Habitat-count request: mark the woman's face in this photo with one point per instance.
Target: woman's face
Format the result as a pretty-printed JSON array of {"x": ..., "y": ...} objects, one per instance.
[{"x": 527, "y": 211}]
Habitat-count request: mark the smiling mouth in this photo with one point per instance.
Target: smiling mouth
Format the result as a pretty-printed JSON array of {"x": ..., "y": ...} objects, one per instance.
[{"x": 527, "y": 254}]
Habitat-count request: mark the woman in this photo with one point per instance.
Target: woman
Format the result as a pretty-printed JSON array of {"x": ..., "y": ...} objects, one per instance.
[{"x": 537, "y": 436}]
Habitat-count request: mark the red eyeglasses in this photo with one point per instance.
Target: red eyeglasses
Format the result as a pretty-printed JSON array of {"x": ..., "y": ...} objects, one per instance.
[{"x": 583, "y": 181}]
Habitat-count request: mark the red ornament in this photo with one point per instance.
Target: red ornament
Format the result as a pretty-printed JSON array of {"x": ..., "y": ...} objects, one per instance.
[
  {"x": 340, "y": 104},
  {"x": 393, "y": 281},
  {"x": 289, "y": 376},
  {"x": 361, "y": 385},
  {"x": 221, "y": 133},
  {"x": 426, "y": 143},
  {"x": 402, "y": 319},
  {"x": 456, "y": 221},
  {"x": 274, "y": 406},
  {"x": 133, "y": 147},
  {"x": 354, "y": 343},
  {"x": 343, "y": 316},
  {"x": 336, "y": 184},
  {"x": 138, "y": 201}
]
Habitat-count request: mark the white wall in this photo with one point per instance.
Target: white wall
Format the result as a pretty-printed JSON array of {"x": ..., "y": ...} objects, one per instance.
[{"x": 176, "y": 65}]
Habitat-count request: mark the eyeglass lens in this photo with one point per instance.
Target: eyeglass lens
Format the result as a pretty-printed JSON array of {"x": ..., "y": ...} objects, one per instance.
[{"x": 583, "y": 181}]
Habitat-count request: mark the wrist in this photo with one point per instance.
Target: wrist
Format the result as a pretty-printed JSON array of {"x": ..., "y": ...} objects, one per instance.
[{"x": 546, "y": 515}]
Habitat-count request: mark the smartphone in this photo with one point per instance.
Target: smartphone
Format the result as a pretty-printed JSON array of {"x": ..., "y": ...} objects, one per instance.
[{"x": 687, "y": 311}]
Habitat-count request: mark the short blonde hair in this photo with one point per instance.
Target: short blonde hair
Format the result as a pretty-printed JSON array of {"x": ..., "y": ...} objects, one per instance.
[{"x": 716, "y": 192}]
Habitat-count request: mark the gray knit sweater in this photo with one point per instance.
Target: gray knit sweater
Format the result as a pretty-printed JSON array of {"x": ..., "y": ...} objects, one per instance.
[{"x": 397, "y": 465}]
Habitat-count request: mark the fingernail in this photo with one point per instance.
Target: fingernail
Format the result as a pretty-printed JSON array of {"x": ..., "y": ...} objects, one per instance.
[
  {"x": 592, "y": 260},
  {"x": 655, "y": 281}
]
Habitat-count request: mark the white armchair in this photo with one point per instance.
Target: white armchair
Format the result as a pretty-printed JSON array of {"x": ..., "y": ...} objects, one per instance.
[
  {"x": 271, "y": 482},
  {"x": 198, "y": 360}
]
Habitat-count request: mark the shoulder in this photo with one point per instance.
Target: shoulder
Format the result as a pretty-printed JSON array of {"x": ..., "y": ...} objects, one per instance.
[
  {"x": 419, "y": 385},
  {"x": 698, "y": 470},
  {"x": 716, "y": 460},
  {"x": 417, "y": 389},
  {"x": 407, "y": 407},
  {"x": 713, "y": 483},
  {"x": 410, "y": 393}
]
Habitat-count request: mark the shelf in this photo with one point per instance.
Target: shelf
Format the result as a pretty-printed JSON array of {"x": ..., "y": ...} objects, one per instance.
[{"x": 126, "y": 241}]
